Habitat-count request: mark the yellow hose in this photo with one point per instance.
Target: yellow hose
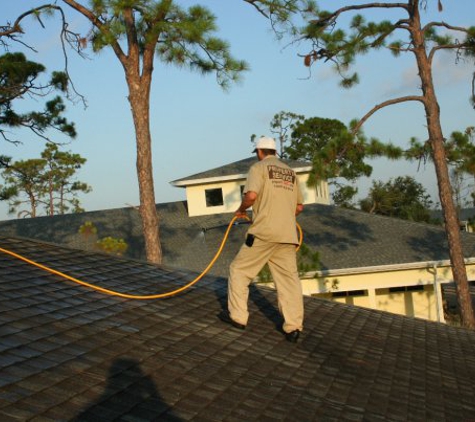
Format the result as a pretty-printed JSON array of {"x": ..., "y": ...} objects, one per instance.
[{"x": 138, "y": 297}]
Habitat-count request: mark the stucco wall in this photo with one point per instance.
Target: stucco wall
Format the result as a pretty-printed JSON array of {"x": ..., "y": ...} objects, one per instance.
[
  {"x": 414, "y": 292},
  {"x": 196, "y": 197}
]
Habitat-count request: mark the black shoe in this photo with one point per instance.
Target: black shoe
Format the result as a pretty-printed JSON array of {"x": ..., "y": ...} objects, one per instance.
[
  {"x": 225, "y": 317},
  {"x": 293, "y": 336}
]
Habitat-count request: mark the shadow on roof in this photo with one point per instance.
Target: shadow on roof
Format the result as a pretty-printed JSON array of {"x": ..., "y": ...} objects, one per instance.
[{"x": 68, "y": 352}]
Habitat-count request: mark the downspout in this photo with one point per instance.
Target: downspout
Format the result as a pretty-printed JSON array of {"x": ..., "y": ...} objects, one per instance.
[{"x": 438, "y": 296}]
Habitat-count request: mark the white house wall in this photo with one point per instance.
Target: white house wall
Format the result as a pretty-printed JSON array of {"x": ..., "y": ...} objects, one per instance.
[
  {"x": 314, "y": 195},
  {"x": 196, "y": 197}
]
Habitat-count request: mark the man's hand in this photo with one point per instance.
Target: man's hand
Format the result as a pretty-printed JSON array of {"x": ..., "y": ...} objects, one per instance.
[
  {"x": 240, "y": 214},
  {"x": 248, "y": 200}
]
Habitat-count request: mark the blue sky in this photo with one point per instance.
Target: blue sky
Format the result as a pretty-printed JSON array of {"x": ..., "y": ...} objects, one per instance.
[{"x": 196, "y": 126}]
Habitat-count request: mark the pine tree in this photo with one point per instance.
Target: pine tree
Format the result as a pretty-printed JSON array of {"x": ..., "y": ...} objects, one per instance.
[{"x": 331, "y": 44}]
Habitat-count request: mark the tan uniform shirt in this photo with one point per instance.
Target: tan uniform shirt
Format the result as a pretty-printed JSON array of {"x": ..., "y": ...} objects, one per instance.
[{"x": 278, "y": 194}]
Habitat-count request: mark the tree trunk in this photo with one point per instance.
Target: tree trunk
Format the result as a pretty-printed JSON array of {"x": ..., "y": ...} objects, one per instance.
[
  {"x": 139, "y": 101},
  {"x": 436, "y": 140},
  {"x": 50, "y": 189},
  {"x": 33, "y": 205},
  {"x": 452, "y": 226},
  {"x": 139, "y": 98},
  {"x": 61, "y": 199}
]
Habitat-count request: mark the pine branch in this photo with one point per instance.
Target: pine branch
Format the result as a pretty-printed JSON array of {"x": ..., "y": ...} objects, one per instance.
[{"x": 385, "y": 104}]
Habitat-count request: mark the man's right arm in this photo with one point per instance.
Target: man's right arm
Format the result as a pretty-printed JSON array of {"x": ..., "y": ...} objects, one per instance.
[{"x": 247, "y": 201}]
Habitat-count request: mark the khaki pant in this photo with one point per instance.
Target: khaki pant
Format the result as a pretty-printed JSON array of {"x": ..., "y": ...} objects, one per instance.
[{"x": 281, "y": 258}]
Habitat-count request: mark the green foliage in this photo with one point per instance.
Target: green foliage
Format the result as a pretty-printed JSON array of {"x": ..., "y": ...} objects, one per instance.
[
  {"x": 6, "y": 192},
  {"x": 401, "y": 197},
  {"x": 308, "y": 260},
  {"x": 59, "y": 80},
  {"x": 179, "y": 36},
  {"x": 432, "y": 36},
  {"x": 349, "y": 81},
  {"x": 331, "y": 43},
  {"x": 341, "y": 48},
  {"x": 265, "y": 275},
  {"x": 15, "y": 72},
  {"x": 24, "y": 177},
  {"x": 61, "y": 167},
  {"x": 47, "y": 181},
  {"x": 461, "y": 160},
  {"x": 332, "y": 149},
  {"x": 334, "y": 152},
  {"x": 460, "y": 151},
  {"x": 344, "y": 196},
  {"x": 112, "y": 245},
  {"x": 470, "y": 42},
  {"x": 282, "y": 125},
  {"x": 88, "y": 229},
  {"x": 395, "y": 48},
  {"x": 460, "y": 155},
  {"x": 376, "y": 148},
  {"x": 311, "y": 135},
  {"x": 20, "y": 77},
  {"x": 109, "y": 244}
]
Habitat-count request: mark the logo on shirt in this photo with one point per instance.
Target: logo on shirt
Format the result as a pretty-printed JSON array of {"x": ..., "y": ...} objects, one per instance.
[{"x": 282, "y": 174}]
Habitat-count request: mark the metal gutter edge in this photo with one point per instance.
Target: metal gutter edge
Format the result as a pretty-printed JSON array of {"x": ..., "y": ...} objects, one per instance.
[{"x": 382, "y": 268}]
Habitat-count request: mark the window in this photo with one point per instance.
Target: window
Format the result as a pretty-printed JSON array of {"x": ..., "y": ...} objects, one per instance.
[
  {"x": 417, "y": 288},
  {"x": 351, "y": 293},
  {"x": 214, "y": 197}
]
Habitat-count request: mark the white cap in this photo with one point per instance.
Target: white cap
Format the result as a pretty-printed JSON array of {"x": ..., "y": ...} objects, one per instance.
[{"x": 265, "y": 142}]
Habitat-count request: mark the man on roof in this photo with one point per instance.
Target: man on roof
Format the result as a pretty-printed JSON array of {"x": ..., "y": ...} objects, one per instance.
[{"x": 273, "y": 192}]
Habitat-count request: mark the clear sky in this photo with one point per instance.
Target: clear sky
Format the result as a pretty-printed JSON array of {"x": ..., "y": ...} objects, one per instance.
[{"x": 196, "y": 126}]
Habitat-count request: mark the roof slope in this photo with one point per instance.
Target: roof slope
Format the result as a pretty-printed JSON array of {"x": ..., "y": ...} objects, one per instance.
[
  {"x": 351, "y": 239},
  {"x": 344, "y": 238},
  {"x": 70, "y": 353},
  {"x": 235, "y": 169},
  {"x": 188, "y": 242}
]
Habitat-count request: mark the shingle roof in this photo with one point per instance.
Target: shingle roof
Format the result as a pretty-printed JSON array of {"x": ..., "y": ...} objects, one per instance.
[
  {"x": 352, "y": 239},
  {"x": 464, "y": 214},
  {"x": 344, "y": 238},
  {"x": 70, "y": 353},
  {"x": 236, "y": 169}
]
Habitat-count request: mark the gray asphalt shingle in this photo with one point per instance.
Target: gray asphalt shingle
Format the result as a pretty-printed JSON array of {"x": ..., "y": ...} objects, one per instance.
[
  {"x": 236, "y": 169},
  {"x": 70, "y": 353},
  {"x": 343, "y": 238}
]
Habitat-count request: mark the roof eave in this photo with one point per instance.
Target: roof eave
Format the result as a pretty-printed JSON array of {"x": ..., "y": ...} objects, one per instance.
[
  {"x": 382, "y": 268},
  {"x": 207, "y": 180},
  {"x": 217, "y": 179}
]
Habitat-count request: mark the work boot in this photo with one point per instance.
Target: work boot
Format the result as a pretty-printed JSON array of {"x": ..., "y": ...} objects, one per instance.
[
  {"x": 225, "y": 317},
  {"x": 293, "y": 336}
]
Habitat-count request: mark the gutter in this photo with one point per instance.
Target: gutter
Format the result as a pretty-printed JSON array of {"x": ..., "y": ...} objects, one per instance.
[{"x": 383, "y": 268}]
